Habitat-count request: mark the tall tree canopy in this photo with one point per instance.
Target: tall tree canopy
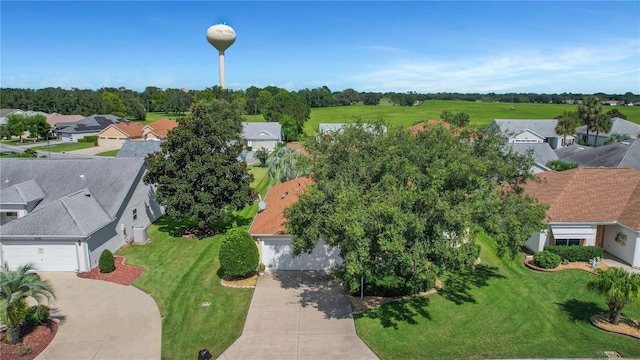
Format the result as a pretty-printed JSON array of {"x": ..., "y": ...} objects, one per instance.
[
  {"x": 197, "y": 171},
  {"x": 287, "y": 103},
  {"x": 590, "y": 113},
  {"x": 403, "y": 208}
]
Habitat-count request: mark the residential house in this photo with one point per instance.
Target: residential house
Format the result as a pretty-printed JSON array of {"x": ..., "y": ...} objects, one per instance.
[
  {"x": 624, "y": 154},
  {"x": 158, "y": 129},
  {"x": 89, "y": 126},
  {"x": 4, "y": 114},
  {"x": 541, "y": 153},
  {"x": 60, "y": 215},
  {"x": 590, "y": 206},
  {"x": 55, "y": 119},
  {"x": 115, "y": 135},
  {"x": 138, "y": 149},
  {"x": 268, "y": 228},
  {"x": 618, "y": 125},
  {"x": 421, "y": 126},
  {"x": 528, "y": 131},
  {"x": 259, "y": 135}
]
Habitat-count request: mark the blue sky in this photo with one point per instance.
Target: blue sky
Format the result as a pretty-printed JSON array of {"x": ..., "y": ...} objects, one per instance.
[{"x": 502, "y": 47}]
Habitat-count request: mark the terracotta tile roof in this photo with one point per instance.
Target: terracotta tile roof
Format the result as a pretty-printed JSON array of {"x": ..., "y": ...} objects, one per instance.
[
  {"x": 271, "y": 220},
  {"x": 132, "y": 129},
  {"x": 425, "y": 124},
  {"x": 296, "y": 145},
  {"x": 162, "y": 126},
  {"x": 594, "y": 195},
  {"x": 56, "y": 118}
]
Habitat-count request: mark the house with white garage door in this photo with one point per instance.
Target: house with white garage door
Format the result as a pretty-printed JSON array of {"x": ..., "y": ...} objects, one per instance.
[
  {"x": 61, "y": 214},
  {"x": 268, "y": 228}
]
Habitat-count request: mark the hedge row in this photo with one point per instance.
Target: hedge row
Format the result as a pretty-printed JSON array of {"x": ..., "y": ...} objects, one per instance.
[
  {"x": 89, "y": 139},
  {"x": 575, "y": 252}
]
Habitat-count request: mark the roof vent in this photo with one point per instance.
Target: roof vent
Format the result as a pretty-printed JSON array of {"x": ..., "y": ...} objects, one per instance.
[
  {"x": 261, "y": 204},
  {"x": 6, "y": 181},
  {"x": 82, "y": 176},
  {"x": 284, "y": 195}
]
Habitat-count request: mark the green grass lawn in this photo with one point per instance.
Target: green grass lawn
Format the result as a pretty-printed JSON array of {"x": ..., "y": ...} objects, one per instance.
[
  {"x": 500, "y": 310},
  {"x": 181, "y": 274},
  {"x": 109, "y": 153},
  {"x": 480, "y": 113},
  {"x": 65, "y": 147},
  {"x": 153, "y": 116}
]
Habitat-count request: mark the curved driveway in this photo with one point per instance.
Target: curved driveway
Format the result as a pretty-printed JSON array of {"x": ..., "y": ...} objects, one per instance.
[{"x": 102, "y": 320}]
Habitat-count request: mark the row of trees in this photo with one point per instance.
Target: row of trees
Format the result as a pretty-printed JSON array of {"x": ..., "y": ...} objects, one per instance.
[
  {"x": 251, "y": 100},
  {"x": 16, "y": 125}
]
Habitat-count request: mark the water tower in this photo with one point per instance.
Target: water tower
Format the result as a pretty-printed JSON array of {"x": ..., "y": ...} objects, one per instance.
[{"x": 221, "y": 36}]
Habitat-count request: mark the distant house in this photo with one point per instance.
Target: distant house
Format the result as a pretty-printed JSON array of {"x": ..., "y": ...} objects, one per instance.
[
  {"x": 138, "y": 149},
  {"x": 624, "y": 154},
  {"x": 531, "y": 131},
  {"x": 89, "y": 126},
  {"x": 55, "y": 118},
  {"x": 4, "y": 114},
  {"x": 115, "y": 135},
  {"x": 618, "y": 125},
  {"x": 158, "y": 129},
  {"x": 276, "y": 249},
  {"x": 590, "y": 206},
  {"x": 259, "y": 135},
  {"x": 60, "y": 215},
  {"x": 414, "y": 129},
  {"x": 541, "y": 152}
]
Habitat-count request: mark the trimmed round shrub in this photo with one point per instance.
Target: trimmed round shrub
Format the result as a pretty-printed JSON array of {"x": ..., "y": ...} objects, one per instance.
[
  {"x": 238, "y": 253},
  {"x": 37, "y": 315},
  {"x": 546, "y": 260},
  {"x": 106, "y": 262}
]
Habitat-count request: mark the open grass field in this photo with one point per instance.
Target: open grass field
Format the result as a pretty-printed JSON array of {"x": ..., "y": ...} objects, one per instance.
[
  {"x": 65, "y": 147},
  {"x": 480, "y": 113},
  {"x": 500, "y": 310},
  {"x": 181, "y": 274},
  {"x": 153, "y": 116}
]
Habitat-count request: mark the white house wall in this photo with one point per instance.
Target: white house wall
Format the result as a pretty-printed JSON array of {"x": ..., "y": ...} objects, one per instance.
[
  {"x": 526, "y": 137},
  {"x": 630, "y": 252},
  {"x": 537, "y": 241}
]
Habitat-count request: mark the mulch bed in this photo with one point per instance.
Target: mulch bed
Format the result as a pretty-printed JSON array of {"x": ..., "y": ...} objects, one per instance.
[
  {"x": 123, "y": 274},
  {"x": 34, "y": 343},
  {"x": 360, "y": 305},
  {"x": 575, "y": 265},
  {"x": 626, "y": 326},
  {"x": 249, "y": 281}
]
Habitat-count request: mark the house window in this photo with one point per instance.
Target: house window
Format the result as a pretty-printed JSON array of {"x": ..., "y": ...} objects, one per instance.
[
  {"x": 135, "y": 214},
  {"x": 568, "y": 242},
  {"x": 12, "y": 214}
]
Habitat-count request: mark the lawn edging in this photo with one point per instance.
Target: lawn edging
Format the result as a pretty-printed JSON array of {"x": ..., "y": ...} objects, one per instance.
[
  {"x": 627, "y": 326},
  {"x": 361, "y": 305},
  {"x": 574, "y": 265}
]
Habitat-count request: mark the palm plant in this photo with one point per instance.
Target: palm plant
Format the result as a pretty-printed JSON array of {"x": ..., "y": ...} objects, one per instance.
[
  {"x": 588, "y": 112},
  {"x": 285, "y": 164},
  {"x": 602, "y": 124},
  {"x": 618, "y": 286},
  {"x": 15, "y": 287},
  {"x": 568, "y": 122}
]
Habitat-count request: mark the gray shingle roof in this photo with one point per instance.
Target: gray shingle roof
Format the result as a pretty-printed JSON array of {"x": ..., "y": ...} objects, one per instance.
[
  {"x": 92, "y": 123},
  {"x": 261, "y": 131},
  {"x": 618, "y": 125},
  {"x": 621, "y": 155},
  {"x": 22, "y": 193},
  {"x": 138, "y": 149},
  {"x": 543, "y": 127},
  {"x": 108, "y": 180},
  {"x": 542, "y": 152}
]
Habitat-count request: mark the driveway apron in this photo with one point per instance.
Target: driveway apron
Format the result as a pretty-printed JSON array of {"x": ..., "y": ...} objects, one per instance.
[
  {"x": 102, "y": 320},
  {"x": 298, "y": 315}
]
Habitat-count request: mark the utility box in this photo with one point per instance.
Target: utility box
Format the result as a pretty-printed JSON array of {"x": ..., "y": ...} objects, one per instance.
[{"x": 140, "y": 235}]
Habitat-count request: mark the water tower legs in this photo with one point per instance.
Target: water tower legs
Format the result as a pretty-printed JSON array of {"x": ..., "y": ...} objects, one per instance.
[{"x": 221, "y": 58}]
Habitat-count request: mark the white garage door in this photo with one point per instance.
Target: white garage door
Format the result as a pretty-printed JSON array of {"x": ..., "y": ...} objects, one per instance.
[
  {"x": 110, "y": 142},
  {"x": 44, "y": 255},
  {"x": 277, "y": 254},
  {"x": 267, "y": 144}
]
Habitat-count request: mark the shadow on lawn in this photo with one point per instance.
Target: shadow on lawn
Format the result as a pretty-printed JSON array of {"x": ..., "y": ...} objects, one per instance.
[
  {"x": 407, "y": 311},
  {"x": 457, "y": 285},
  {"x": 579, "y": 310}
]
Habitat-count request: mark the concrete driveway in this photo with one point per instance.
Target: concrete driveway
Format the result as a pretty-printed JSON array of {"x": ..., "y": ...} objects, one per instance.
[
  {"x": 298, "y": 315},
  {"x": 102, "y": 320}
]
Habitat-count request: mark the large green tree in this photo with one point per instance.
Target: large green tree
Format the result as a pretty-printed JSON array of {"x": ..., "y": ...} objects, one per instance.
[
  {"x": 287, "y": 103},
  {"x": 15, "y": 287},
  {"x": 618, "y": 286},
  {"x": 115, "y": 105},
  {"x": 198, "y": 174},
  {"x": 403, "y": 208}
]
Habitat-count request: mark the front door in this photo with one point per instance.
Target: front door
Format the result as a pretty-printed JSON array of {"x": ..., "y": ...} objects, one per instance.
[{"x": 600, "y": 230}]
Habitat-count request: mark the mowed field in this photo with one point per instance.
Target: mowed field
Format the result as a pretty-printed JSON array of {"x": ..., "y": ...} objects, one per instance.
[{"x": 481, "y": 114}]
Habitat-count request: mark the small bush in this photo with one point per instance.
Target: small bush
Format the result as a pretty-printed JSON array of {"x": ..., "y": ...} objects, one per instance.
[
  {"x": 106, "y": 262},
  {"x": 249, "y": 148},
  {"x": 546, "y": 260},
  {"x": 238, "y": 253},
  {"x": 24, "y": 351},
  {"x": 37, "y": 315},
  {"x": 575, "y": 252},
  {"x": 89, "y": 139}
]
